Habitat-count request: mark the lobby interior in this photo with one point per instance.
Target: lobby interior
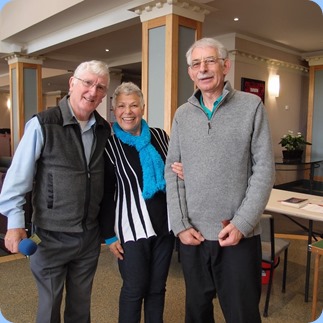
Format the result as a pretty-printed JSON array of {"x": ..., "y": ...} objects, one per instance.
[{"x": 270, "y": 38}]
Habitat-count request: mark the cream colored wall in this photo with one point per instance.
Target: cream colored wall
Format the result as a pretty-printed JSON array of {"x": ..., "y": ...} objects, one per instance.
[
  {"x": 4, "y": 111},
  {"x": 289, "y": 110},
  {"x": 50, "y": 99}
]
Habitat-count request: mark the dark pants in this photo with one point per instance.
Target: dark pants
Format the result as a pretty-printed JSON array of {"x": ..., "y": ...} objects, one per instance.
[
  {"x": 65, "y": 260},
  {"x": 144, "y": 271},
  {"x": 231, "y": 273}
]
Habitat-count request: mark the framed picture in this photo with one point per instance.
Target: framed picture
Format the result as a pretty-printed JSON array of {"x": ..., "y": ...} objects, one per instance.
[{"x": 254, "y": 86}]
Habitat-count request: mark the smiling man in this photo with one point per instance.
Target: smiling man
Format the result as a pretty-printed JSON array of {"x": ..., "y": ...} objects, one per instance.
[
  {"x": 222, "y": 138},
  {"x": 60, "y": 158}
]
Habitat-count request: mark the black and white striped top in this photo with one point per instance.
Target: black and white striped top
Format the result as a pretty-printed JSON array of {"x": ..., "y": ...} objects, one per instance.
[{"x": 133, "y": 218}]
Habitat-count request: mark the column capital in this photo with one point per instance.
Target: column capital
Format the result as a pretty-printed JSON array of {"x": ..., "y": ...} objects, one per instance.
[
  {"x": 21, "y": 58},
  {"x": 314, "y": 60},
  {"x": 185, "y": 8}
]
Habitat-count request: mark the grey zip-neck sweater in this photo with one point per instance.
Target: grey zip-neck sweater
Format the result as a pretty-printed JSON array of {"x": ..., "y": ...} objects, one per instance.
[{"x": 227, "y": 161}]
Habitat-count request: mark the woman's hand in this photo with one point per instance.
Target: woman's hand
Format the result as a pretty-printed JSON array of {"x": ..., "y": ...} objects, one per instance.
[{"x": 116, "y": 249}]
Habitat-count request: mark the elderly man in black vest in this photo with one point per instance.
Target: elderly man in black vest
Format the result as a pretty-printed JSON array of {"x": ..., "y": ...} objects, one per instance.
[{"x": 60, "y": 158}]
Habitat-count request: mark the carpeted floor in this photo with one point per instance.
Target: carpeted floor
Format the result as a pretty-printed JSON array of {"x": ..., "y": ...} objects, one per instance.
[{"x": 18, "y": 297}]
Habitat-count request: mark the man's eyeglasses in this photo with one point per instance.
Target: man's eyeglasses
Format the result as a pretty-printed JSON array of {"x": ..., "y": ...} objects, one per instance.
[
  {"x": 208, "y": 61},
  {"x": 89, "y": 84}
]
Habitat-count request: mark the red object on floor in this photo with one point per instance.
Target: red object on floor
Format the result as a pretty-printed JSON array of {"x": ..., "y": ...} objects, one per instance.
[{"x": 266, "y": 270}]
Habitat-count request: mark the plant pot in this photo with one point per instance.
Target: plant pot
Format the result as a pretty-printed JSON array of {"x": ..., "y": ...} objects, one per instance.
[{"x": 292, "y": 156}]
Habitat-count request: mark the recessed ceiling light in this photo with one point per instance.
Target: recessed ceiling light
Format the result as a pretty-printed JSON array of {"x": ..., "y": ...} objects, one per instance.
[
  {"x": 236, "y": 19},
  {"x": 107, "y": 49}
]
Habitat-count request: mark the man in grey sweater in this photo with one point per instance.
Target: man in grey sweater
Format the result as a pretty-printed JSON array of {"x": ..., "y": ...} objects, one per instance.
[{"x": 223, "y": 140}]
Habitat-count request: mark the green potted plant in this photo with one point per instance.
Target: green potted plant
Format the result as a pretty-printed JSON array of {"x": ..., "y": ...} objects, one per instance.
[{"x": 294, "y": 146}]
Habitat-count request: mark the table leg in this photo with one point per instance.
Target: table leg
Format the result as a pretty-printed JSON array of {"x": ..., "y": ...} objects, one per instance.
[
  {"x": 311, "y": 177},
  {"x": 308, "y": 261},
  {"x": 315, "y": 285}
]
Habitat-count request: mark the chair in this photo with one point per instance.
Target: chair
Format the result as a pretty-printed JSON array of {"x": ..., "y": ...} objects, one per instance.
[{"x": 271, "y": 249}]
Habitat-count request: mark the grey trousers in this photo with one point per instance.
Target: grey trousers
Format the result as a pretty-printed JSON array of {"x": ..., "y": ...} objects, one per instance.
[{"x": 65, "y": 260}]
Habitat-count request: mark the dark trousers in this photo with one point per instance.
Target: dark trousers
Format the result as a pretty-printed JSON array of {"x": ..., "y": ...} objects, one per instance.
[
  {"x": 65, "y": 260},
  {"x": 231, "y": 273},
  {"x": 144, "y": 271}
]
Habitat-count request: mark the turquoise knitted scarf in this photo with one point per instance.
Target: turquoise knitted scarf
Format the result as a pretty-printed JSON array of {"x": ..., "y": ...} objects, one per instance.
[{"x": 151, "y": 162}]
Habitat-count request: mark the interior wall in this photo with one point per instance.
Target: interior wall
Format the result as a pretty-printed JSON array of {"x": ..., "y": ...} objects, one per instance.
[
  {"x": 289, "y": 110},
  {"x": 286, "y": 112},
  {"x": 51, "y": 99},
  {"x": 105, "y": 108},
  {"x": 4, "y": 111}
]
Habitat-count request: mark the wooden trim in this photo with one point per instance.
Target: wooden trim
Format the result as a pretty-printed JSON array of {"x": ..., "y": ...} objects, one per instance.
[
  {"x": 310, "y": 110},
  {"x": 310, "y": 114},
  {"x": 318, "y": 178},
  {"x": 38, "y": 69},
  {"x": 171, "y": 23},
  {"x": 19, "y": 68},
  {"x": 291, "y": 236},
  {"x": 11, "y": 109},
  {"x": 171, "y": 80},
  {"x": 20, "y": 102},
  {"x": 157, "y": 22},
  {"x": 146, "y": 25},
  {"x": 12, "y": 257},
  {"x": 171, "y": 70},
  {"x": 193, "y": 24},
  {"x": 144, "y": 64},
  {"x": 40, "y": 106}
]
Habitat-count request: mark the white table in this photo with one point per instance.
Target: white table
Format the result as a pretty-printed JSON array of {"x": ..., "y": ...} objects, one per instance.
[{"x": 274, "y": 205}]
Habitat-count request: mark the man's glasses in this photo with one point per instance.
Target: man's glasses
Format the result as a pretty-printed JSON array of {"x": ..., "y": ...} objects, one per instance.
[
  {"x": 89, "y": 84},
  {"x": 208, "y": 61}
]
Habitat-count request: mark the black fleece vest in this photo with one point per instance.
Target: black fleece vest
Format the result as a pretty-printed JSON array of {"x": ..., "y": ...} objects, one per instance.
[{"x": 67, "y": 192}]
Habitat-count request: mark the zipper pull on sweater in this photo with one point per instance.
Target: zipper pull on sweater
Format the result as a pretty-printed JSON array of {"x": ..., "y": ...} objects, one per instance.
[{"x": 209, "y": 127}]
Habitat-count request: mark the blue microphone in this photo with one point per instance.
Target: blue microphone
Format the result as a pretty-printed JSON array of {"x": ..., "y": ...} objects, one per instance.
[{"x": 29, "y": 246}]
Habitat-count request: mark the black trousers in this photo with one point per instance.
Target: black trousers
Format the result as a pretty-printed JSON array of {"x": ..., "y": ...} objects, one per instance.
[
  {"x": 231, "y": 273},
  {"x": 144, "y": 271}
]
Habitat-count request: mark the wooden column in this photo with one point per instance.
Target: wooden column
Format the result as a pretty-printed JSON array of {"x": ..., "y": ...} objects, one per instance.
[
  {"x": 168, "y": 30},
  {"x": 171, "y": 25},
  {"x": 25, "y": 93}
]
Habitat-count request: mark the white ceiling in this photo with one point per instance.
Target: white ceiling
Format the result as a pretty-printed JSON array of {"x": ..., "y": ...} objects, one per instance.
[{"x": 296, "y": 25}]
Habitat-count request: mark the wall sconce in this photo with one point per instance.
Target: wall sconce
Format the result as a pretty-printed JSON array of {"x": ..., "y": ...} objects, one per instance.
[
  {"x": 274, "y": 85},
  {"x": 8, "y": 104}
]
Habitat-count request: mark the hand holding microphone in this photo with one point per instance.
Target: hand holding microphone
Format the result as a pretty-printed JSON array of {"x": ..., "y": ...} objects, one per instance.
[{"x": 28, "y": 246}]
